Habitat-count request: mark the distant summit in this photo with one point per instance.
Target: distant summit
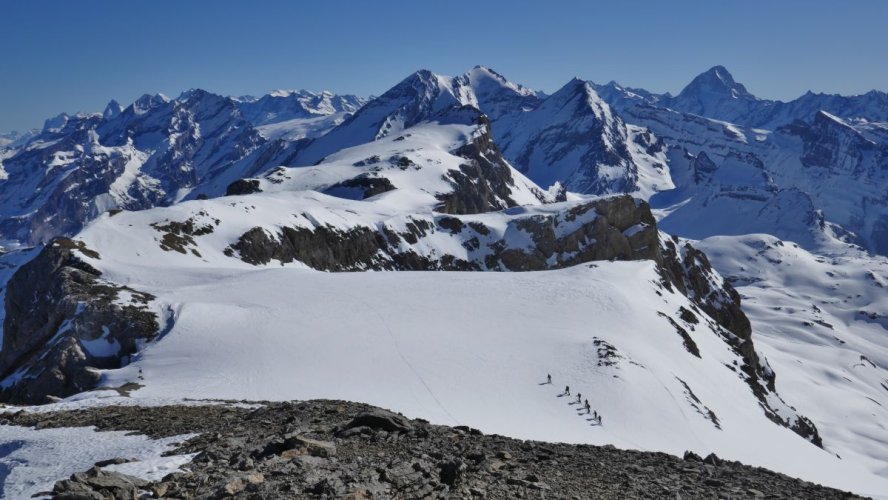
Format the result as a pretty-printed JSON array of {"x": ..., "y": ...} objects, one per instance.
[
  {"x": 714, "y": 93},
  {"x": 716, "y": 81}
]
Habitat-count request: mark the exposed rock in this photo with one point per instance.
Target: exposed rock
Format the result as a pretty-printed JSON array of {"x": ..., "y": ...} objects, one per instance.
[
  {"x": 368, "y": 185},
  {"x": 63, "y": 322},
  {"x": 592, "y": 231},
  {"x": 99, "y": 484},
  {"x": 429, "y": 461},
  {"x": 381, "y": 420},
  {"x": 242, "y": 186},
  {"x": 482, "y": 184}
]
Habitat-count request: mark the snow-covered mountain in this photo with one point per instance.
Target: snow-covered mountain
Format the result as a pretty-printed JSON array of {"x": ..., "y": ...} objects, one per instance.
[
  {"x": 14, "y": 139},
  {"x": 715, "y": 94},
  {"x": 225, "y": 240},
  {"x": 223, "y": 298},
  {"x": 155, "y": 151},
  {"x": 818, "y": 177},
  {"x": 297, "y": 114},
  {"x": 448, "y": 163},
  {"x": 571, "y": 137}
]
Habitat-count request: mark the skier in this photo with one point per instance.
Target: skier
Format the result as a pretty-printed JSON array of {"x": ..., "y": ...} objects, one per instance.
[
  {"x": 579, "y": 397},
  {"x": 588, "y": 410},
  {"x": 567, "y": 389},
  {"x": 549, "y": 378},
  {"x": 599, "y": 419},
  {"x": 595, "y": 415}
]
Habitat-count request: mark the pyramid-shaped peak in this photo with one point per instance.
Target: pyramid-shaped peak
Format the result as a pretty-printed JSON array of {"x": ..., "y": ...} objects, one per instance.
[
  {"x": 721, "y": 73},
  {"x": 574, "y": 86},
  {"x": 112, "y": 109},
  {"x": 717, "y": 80}
]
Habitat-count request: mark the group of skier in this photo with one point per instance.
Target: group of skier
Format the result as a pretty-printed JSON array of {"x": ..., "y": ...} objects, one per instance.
[{"x": 595, "y": 416}]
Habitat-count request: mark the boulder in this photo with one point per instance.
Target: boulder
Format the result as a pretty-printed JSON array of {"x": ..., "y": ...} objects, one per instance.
[{"x": 381, "y": 420}]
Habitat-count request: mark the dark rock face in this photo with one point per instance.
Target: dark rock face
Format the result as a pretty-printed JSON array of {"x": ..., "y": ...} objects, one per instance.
[
  {"x": 703, "y": 168},
  {"x": 63, "y": 321},
  {"x": 243, "y": 186},
  {"x": 830, "y": 144},
  {"x": 593, "y": 231},
  {"x": 482, "y": 184},
  {"x": 368, "y": 186},
  {"x": 295, "y": 450}
]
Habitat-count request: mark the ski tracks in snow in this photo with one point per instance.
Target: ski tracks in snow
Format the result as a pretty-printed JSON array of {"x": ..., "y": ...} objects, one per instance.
[{"x": 407, "y": 361}]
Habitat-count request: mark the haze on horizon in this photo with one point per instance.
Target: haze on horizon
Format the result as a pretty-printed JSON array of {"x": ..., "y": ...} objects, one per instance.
[{"x": 72, "y": 56}]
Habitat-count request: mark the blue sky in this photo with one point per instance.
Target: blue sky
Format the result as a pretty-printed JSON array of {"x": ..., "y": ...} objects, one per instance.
[{"x": 76, "y": 55}]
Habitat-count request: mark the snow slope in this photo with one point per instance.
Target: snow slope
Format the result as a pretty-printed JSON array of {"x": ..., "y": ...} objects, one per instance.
[
  {"x": 297, "y": 114},
  {"x": 467, "y": 348},
  {"x": 417, "y": 167},
  {"x": 822, "y": 322}
]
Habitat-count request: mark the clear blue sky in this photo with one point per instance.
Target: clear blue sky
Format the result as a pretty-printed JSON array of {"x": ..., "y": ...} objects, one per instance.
[{"x": 76, "y": 55}]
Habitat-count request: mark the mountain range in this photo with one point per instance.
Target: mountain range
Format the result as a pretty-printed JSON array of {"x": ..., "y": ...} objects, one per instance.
[{"x": 708, "y": 267}]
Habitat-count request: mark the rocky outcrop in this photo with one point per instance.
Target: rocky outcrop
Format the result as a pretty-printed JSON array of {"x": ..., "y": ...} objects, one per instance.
[
  {"x": 482, "y": 184},
  {"x": 98, "y": 484},
  {"x": 366, "y": 185},
  {"x": 689, "y": 270},
  {"x": 63, "y": 321},
  {"x": 617, "y": 228},
  {"x": 243, "y": 186},
  {"x": 299, "y": 450}
]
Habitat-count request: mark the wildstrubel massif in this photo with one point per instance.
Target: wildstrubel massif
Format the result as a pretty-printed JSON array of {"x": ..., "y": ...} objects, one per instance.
[{"x": 266, "y": 208}]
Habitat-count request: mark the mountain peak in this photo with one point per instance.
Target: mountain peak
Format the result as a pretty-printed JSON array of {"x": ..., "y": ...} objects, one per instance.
[
  {"x": 148, "y": 102},
  {"x": 112, "y": 109},
  {"x": 479, "y": 72},
  {"x": 576, "y": 85},
  {"x": 56, "y": 123},
  {"x": 720, "y": 72},
  {"x": 717, "y": 80}
]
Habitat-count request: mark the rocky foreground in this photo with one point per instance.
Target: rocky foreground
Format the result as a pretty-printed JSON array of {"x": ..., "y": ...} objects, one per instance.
[{"x": 336, "y": 449}]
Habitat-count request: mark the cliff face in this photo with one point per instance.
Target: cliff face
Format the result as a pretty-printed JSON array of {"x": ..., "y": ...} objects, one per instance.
[
  {"x": 63, "y": 321},
  {"x": 616, "y": 228}
]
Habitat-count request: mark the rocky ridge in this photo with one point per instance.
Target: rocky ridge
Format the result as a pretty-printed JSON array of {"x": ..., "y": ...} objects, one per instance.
[
  {"x": 80, "y": 323},
  {"x": 337, "y": 449}
]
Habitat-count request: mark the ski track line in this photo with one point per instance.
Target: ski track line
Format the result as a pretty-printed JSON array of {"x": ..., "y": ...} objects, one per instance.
[{"x": 407, "y": 361}]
